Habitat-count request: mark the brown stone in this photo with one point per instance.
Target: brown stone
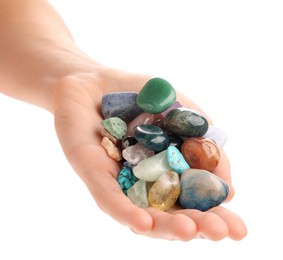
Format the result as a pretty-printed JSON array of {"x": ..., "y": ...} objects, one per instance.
[
  {"x": 111, "y": 149},
  {"x": 104, "y": 132}
]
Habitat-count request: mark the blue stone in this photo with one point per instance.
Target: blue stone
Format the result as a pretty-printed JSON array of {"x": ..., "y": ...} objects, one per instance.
[
  {"x": 122, "y": 105},
  {"x": 152, "y": 137},
  {"x": 202, "y": 190},
  {"x": 126, "y": 179},
  {"x": 176, "y": 161}
]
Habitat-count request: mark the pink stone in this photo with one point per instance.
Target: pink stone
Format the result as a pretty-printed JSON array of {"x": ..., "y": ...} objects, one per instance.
[
  {"x": 165, "y": 112},
  {"x": 136, "y": 153},
  {"x": 111, "y": 149},
  {"x": 142, "y": 119}
]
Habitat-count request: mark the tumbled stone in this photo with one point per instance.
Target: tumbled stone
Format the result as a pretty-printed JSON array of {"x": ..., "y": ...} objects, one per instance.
[
  {"x": 165, "y": 191},
  {"x": 156, "y": 96},
  {"x": 151, "y": 168},
  {"x": 201, "y": 153},
  {"x": 111, "y": 149},
  {"x": 217, "y": 135},
  {"x": 128, "y": 141},
  {"x": 142, "y": 119},
  {"x": 126, "y": 179},
  {"x": 176, "y": 160},
  {"x": 120, "y": 104},
  {"x": 202, "y": 190},
  {"x": 176, "y": 104},
  {"x": 115, "y": 126},
  {"x": 138, "y": 194},
  {"x": 185, "y": 122},
  {"x": 152, "y": 137},
  {"x": 104, "y": 132},
  {"x": 136, "y": 153},
  {"x": 175, "y": 140}
]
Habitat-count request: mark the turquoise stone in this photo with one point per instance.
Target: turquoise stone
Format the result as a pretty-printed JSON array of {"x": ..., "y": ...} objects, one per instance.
[
  {"x": 202, "y": 190},
  {"x": 126, "y": 179},
  {"x": 176, "y": 161},
  {"x": 152, "y": 137},
  {"x": 156, "y": 96},
  {"x": 138, "y": 194},
  {"x": 115, "y": 126},
  {"x": 185, "y": 122}
]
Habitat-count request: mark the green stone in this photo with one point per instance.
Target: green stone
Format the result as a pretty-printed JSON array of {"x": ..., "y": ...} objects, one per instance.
[
  {"x": 115, "y": 126},
  {"x": 156, "y": 96}
]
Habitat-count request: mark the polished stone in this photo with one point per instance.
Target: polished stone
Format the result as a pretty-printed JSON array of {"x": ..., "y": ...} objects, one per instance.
[
  {"x": 175, "y": 140},
  {"x": 185, "y": 122},
  {"x": 176, "y": 104},
  {"x": 111, "y": 149},
  {"x": 152, "y": 137},
  {"x": 156, "y": 96},
  {"x": 217, "y": 135},
  {"x": 136, "y": 153},
  {"x": 138, "y": 194},
  {"x": 201, "y": 153},
  {"x": 128, "y": 141},
  {"x": 202, "y": 190},
  {"x": 142, "y": 119},
  {"x": 120, "y": 104},
  {"x": 104, "y": 132},
  {"x": 176, "y": 160},
  {"x": 115, "y": 126},
  {"x": 165, "y": 191},
  {"x": 126, "y": 179},
  {"x": 151, "y": 168}
]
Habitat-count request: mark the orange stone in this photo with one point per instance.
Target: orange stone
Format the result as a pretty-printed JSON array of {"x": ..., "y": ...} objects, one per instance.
[{"x": 201, "y": 153}]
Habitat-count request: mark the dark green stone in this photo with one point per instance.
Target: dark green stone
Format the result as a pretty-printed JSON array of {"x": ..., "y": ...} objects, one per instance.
[
  {"x": 156, "y": 96},
  {"x": 185, "y": 122}
]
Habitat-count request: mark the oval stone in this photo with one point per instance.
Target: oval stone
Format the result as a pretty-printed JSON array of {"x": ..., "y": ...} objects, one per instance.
[
  {"x": 201, "y": 153},
  {"x": 202, "y": 190},
  {"x": 165, "y": 191},
  {"x": 217, "y": 135},
  {"x": 115, "y": 126},
  {"x": 128, "y": 141},
  {"x": 152, "y": 137},
  {"x": 156, "y": 96},
  {"x": 142, "y": 119},
  {"x": 136, "y": 153},
  {"x": 185, "y": 122},
  {"x": 176, "y": 160}
]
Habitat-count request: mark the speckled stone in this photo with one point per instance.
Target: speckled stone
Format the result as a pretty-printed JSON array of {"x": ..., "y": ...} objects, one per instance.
[
  {"x": 202, "y": 190},
  {"x": 115, "y": 126},
  {"x": 142, "y": 119},
  {"x": 185, "y": 122},
  {"x": 126, "y": 179},
  {"x": 152, "y": 137},
  {"x": 111, "y": 149},
  {"x": 156, "y": 96},
  {"x": 176, "y": 160},
  {"x": 217, "y": 135},
  {"x": 165, "y": 191},
  {"x": 138, "y": 194},
  {"x": 120, "y": 104},
  {"x": 201, "y": 153},
  {"x": 128, "y": 141},
  {"x": 136, "y": 153}
]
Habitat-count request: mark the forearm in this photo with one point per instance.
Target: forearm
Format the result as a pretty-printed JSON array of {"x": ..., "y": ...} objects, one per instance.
[{"x": 36, "y": 50}]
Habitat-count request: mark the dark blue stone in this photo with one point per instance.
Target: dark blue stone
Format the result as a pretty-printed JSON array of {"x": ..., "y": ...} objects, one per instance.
[
  {"x": 122, "y": 105},
  {"x": 152, "y": 137}
]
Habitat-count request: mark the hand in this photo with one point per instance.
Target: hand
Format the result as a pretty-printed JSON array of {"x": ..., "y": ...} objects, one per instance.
[{"x": 78, "y": 119}]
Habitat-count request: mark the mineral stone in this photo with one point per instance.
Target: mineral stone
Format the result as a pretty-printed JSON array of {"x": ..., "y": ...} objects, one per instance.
[
  {"x": 176, "y": 160},
  {"x": 176, "y": 104},
  {"x": 152, "y": 137},
  {"x": 120, "y": 104},
  {"x": 156, "y": 96},
  {"x": 126, "y": 179},
  {"x": 142, "y": 119},
  {"x": 128, "y": 141},
  {"x": 115, "y": 126},
  {"x": 165, "y": 191},
  {"x": 104, "y": 132},
  {"x": 185, "y": 122},
  {"x": 111, "y": 149},
  {"x": 201, "y": 153},
  {"x": 217, "y": 135},
  {"x": 202, "y": 190},
  {"x": 175, "y": 140},
  {"x": 136, "y": 153},
  {"x": 138, "y": 194}
]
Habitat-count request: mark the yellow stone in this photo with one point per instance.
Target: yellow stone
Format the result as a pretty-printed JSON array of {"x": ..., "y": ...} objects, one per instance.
[{"x": 165, "y": 191}]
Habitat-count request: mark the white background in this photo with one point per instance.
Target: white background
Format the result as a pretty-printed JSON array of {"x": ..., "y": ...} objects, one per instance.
[{"x": 225, "y": 55}]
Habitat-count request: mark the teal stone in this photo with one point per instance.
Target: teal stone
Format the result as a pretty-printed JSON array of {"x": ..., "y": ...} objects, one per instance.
[
  {"x": 176, "y": 161},
  {"x": 186, "y": 122},
  {"x": 202, "y": 190},
  {"x": 126, "y": 179},
  {"x": 156, "y": 96},
  {"x": 115, "y": 126},
  {"x": 152, "y": 137}
]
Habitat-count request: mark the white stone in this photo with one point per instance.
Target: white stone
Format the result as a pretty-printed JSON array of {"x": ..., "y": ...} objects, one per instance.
[
  {"x": 217, "y": 135},
  {"x": 136, "y": 153}
]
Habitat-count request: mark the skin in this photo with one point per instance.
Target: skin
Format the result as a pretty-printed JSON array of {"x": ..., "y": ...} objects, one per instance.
[{"x": 41, "y": 64}]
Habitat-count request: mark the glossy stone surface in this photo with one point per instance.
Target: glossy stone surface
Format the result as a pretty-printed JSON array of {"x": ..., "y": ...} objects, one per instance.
[
  {"x": 111, "y": 149},
  {"x": 156, "y": 96},
  {"x": 115, "y": 126},
  {"x": 138, "y": 194},
  {"x": 120, "y": 104},
  {"x": 151, "y": 168},
  {"x": 176, "y": 160},
  {"x": 126, "y": 179},
  {"x": 217, "y": 135},
  {"x": 128, "y": 141},
  {"x": 165, "y": 191},
  {"x": 176, "y": 104},
  {"x": 201, "y": 153},
  {"x": 185, "y": 122},
  {"x": 152, "y": 137},
  {"x": 142, "y": 119},
  {"x": 136, "y": 153},
  {"x": 202, "y": 190}
]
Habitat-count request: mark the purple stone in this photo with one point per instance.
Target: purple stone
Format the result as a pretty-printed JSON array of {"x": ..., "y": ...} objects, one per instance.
[{"x": 176, "y": 104}]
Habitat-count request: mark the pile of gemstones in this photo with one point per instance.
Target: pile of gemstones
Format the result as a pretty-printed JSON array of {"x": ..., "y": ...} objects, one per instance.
[{"x": 168, "y": 152}]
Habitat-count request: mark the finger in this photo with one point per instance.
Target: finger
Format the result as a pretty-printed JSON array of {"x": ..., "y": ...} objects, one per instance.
[{"x": 236, "y": 226}]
